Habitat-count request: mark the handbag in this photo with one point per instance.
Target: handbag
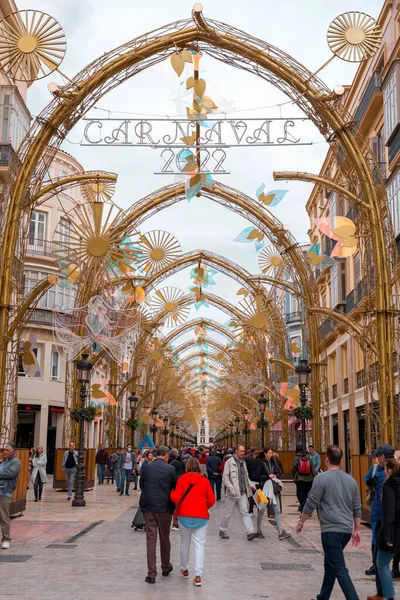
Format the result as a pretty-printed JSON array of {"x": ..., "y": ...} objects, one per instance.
[{"x": 276, "y": 487}]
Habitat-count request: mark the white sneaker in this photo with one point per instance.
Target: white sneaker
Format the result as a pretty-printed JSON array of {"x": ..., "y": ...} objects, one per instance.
[
  {"x": 174, "y": 528},
  {"x": 5, "y": 545}
]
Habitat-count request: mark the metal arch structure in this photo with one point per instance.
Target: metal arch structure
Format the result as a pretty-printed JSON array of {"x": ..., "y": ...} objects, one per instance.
[
  {"x": 300, "y": 269},
  {"x": 238, "y": 49},
  {"x": 186, "y": 345},
  {"x": 192, "y": 324}
]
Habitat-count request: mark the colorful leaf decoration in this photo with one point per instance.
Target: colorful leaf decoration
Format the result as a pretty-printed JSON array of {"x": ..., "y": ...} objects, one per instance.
[
  {"x": 178, "y": 63},
  {"x": 271, "y": 198}
]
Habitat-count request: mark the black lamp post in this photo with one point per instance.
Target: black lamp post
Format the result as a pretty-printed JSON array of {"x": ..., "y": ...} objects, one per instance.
[
  {"x": 231, "y": 433},
  {"x": 84, "y": 366},
  {"x": 262, "y": 403},
  {"x": 165, "y": 432},
  {"x": 303, "y": 371},
  {"x": 154, "y": 414},
  {"x": 172, "y": 434},
  {"x": 246, "y": 416},
  {"x": 237, "y": 421},
  {"x": 133, "y": 400}
]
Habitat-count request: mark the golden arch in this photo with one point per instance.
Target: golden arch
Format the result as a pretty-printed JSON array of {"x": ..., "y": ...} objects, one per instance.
[{"x": 240, "y": 50}]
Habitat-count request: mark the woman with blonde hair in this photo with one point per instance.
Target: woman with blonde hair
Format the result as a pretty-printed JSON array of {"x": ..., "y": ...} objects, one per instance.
[
  {"x": 193, "y": 496},
  {"x": 389, "y": 534}
]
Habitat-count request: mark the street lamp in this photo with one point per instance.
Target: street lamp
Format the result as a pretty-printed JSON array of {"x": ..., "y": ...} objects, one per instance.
[
  {"x": 172, "y": 432},
  {"x": 303, "y": 371},
  {"x": 262, "y": 403},
  {"x": 154, "y": 414},
  {"x": 165, "y": 420},
  {"x": 231, "y": 432},
  {"x": 84, "y": 366},
  {"x": 246, "y": 416},
  {"x": 133, "y": 400},
  {"x": 237, "y": 421}
]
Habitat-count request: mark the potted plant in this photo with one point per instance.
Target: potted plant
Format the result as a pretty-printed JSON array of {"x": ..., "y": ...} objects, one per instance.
[
  {"x": 84, "y": 414},
  {"x": 303, "y": 412},
  {"x": 133, "y": 423}
]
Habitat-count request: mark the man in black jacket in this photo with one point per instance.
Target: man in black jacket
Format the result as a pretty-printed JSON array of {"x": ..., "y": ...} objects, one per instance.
[
  {"x": 214, "y": 475},
  {"x": 156, "y": 483}
]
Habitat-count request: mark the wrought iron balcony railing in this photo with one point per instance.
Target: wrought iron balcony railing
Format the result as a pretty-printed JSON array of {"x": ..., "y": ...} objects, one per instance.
[
  {"x": 294, "y": 317},
  {"x": 42, "y": 247},
  {"x": 373, "y": 87}
]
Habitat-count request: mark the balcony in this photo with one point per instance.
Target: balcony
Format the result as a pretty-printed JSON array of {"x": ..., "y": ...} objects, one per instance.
[
  {"x": 6, "y": 155},
  {"x": 371, "y": 98},
  {"x": 394, "y": 146},
  {"x": 326, "y": 327},
  {"x": 351, "y": 301},
  {"x": 41, "y": 316},
  {"x": 42, "y": 248},
  {"x": 294, "y": 317}
]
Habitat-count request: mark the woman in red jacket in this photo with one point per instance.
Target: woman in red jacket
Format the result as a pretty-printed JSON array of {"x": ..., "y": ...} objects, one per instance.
[{"x": 193, "y": 496}]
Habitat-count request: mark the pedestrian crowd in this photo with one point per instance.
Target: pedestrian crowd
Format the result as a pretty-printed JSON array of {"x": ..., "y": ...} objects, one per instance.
[{"x": 179, "y": 487}]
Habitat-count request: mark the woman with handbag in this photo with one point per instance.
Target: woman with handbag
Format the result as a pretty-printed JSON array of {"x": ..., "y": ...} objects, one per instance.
[
  {"x": 193, "y": 496},
  {"x": 272, "y": 490}
]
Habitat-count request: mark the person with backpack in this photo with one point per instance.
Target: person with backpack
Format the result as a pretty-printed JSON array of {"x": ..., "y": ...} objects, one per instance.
[
  {"x": 303, "y": 473},
  {"x": 193, "y": 497}
]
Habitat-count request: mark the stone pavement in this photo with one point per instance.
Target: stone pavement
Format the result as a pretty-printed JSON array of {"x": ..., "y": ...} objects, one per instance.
[{"x": 92, "y": 553}]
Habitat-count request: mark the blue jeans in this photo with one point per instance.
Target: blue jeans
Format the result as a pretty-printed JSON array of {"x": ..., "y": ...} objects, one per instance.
[
  {"x": 101, "y": 469},
  {"x": 70, "y": 475},
  {"x": 333, "y": 543},
  {"x": 385, "y": 577},
  {"x": 125, "y": 479},
  {"x": 216, "y": 482}
]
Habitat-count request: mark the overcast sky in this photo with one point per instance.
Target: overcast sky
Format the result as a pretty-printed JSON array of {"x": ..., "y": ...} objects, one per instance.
[{"x": 297, "y": 27}]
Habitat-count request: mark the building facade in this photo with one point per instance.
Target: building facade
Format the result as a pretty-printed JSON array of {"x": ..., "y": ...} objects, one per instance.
[{"x": 373, "y": 102}]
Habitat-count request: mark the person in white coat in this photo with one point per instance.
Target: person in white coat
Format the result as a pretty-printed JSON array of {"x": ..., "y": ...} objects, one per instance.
[
  {"x": 235, "y": 480},
  {"x": 39, "y": 476}
]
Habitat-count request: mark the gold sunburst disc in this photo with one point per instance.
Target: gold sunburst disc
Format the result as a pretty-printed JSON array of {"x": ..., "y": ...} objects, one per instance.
[
  {"x": 27, "y": 44},
  {"x": 157, "y": 254},
  {"x": 97, "y": 246},
  {"x": 258, "y": 322},
  {"x": 355, "y": 35},
  {"x": 170, "y": 306}
]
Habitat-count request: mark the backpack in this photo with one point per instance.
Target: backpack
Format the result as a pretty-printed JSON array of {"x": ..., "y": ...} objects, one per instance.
[
  {"x": 369, "y": 496},
  {"x": 303, "y": 466}
]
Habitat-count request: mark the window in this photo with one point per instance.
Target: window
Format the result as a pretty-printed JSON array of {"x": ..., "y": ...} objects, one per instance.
[
  {"x": 5, "y": 121},
  {"x": 55, "y": 366},
  {"x": 21, "y": 371},
  {"x": 14, "y": 118},
  {"x": 37, "y": 229},
  {"x": 394, "y": 202},
  {"x": 390, "y": 104}
]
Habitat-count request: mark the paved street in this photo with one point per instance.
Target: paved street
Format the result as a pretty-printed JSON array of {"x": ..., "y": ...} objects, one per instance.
[{"x": 93, "y": 553}]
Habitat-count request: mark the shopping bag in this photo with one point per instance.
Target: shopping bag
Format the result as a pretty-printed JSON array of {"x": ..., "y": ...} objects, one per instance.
[{"x": 260, "y": 499}]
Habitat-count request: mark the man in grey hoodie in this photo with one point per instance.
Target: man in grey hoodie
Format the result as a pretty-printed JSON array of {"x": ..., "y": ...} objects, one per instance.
[{"x": 336, "y": 497}]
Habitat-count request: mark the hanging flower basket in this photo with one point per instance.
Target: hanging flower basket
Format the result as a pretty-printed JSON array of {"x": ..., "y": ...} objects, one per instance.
[
  {"x": 153, "y": 428},
  {"x": 84, "y": 414},
  {"x": 303, "y": 412},
  {"x": 133, "y": 424},
  {"x": 262, "y": 424}
]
